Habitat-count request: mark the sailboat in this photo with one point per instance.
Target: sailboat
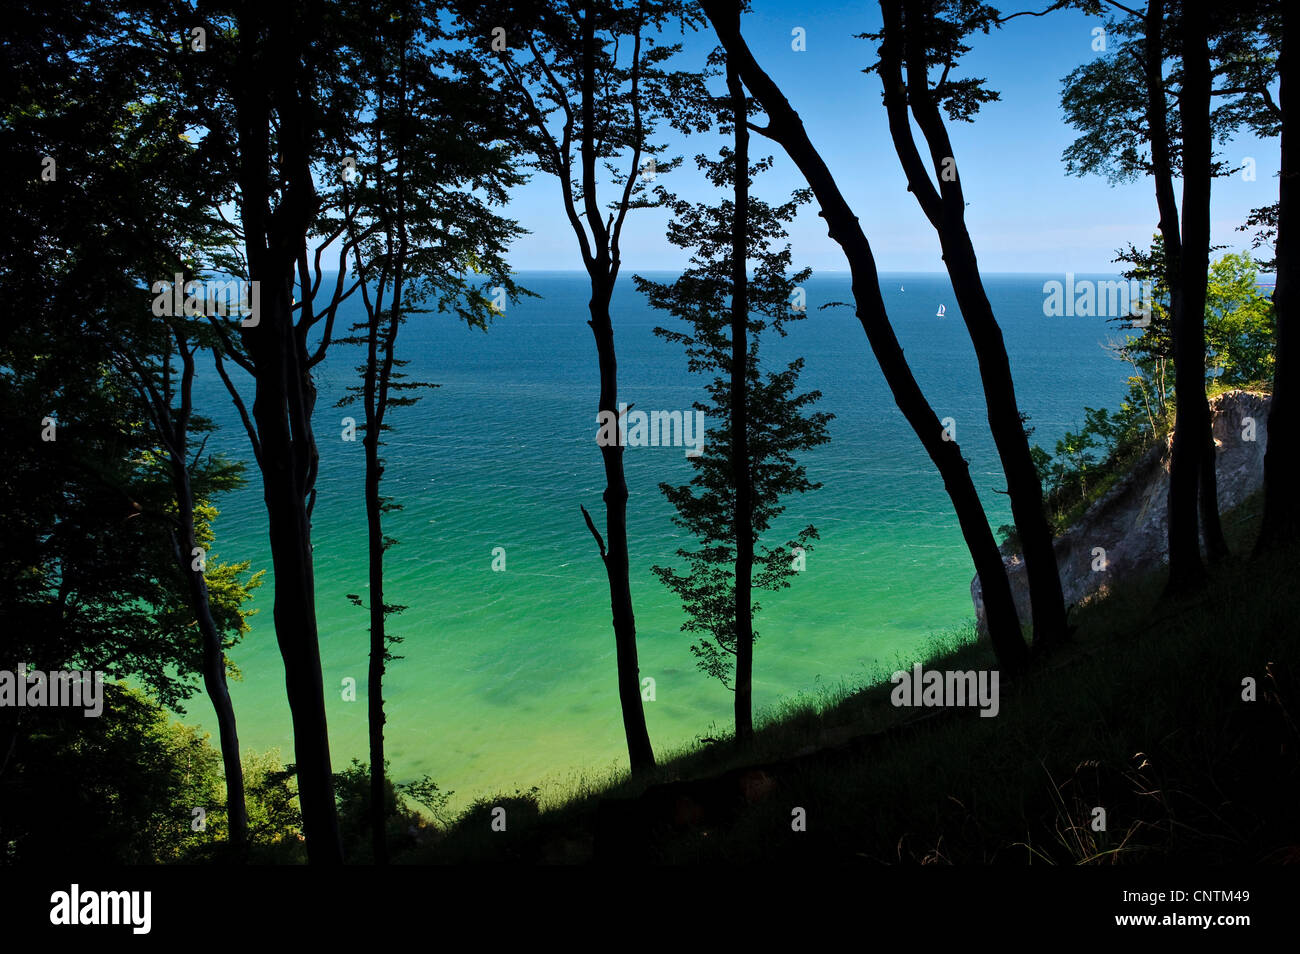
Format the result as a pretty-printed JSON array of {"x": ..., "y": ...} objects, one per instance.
[{"x": 939, "y": 314}]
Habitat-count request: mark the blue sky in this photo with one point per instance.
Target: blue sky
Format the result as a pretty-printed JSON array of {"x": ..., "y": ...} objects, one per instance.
[{"x": 1025, "y": 213}]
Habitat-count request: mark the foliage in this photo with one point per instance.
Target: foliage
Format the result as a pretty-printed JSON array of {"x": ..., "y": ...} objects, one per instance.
[
  {"x": 1105, "y": 99},
  {"x": 271, "y": 794},
  {"x": 1241, "y": 338},
  {"x": 1240, "y": 325},
  {"x": 946, "y": 25},
  {"x": 91, "y": 576},
  {"x": 119, "y": 788},
  {"x": 429, "y": 161},
  {"x": 426, "y": 792},
  {"x": 779, "y": 422},
  {"x": 636, "y": 92},
  {"x": 406, "y": 827},
  {"x": 1263, "y": 221}
]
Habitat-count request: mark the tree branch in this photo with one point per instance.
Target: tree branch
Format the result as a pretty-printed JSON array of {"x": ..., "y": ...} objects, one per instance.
[
  {"x": 600, "y": 542},
  {"x": 638, "y": 135},
  {"x": 239, "y": 405},
  {"x": 1031, "y": 13}
]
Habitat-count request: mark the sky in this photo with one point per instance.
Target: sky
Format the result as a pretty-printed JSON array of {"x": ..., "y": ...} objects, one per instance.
[{"x": 1025, "y": 213}]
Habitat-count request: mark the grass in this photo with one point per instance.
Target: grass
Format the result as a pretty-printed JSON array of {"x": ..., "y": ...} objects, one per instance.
[{"x": 1141, "y": 715}]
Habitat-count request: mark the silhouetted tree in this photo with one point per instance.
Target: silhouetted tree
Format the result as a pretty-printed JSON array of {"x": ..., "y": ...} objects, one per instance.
[
  {"x": 592, "y": 86},
  {"x": 168, "y": 397},
  {"x": 748, "y": 465},
  {"x": 124, "y": 196},
  {"x": 785, "y": 127},
  {"x": 416, "y": 205},
  {"x": 280, "y": 70},
  {"x": 1281, "y": 475},
  {"x": 916, "y": 35},
  {"x": 1121, "y": 104}
]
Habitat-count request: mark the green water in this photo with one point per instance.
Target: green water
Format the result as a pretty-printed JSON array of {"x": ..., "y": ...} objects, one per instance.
[{"x": 508, "y": 678}]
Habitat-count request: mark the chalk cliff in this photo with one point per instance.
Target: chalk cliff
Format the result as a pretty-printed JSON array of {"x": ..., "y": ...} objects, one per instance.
[{"x": 1130, "y": 521}]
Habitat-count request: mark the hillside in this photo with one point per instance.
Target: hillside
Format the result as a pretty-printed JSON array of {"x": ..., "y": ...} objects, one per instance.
[{"x": 1142, "y": 715}]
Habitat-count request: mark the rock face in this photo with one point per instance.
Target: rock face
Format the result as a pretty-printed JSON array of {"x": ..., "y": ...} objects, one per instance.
[{"x": 1130, "y": 522}]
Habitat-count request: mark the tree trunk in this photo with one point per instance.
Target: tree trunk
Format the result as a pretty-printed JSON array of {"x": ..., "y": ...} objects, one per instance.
[
  {"x": 946, "y": 212},
  {"x": 378, "y": 647},
  {"x": 214, "y": 660},
  {"x": 1186, "y": 570},
  {"x": 284, "y": 396},
  {"x": 744, "y": 516},
  {"x": 1047, "y": 599},
  {"x": 1281, "y": 512},
  {"x": 640, "y": 753},
  {"x": 375, "y": 396},
  {"x": 603, "y": 269},
  {"x": 786, "y": 128},
  {"x": 295, "y": 602}
]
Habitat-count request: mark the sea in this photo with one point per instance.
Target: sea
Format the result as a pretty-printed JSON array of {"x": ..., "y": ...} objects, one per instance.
[{"x": 507, "y": 676}]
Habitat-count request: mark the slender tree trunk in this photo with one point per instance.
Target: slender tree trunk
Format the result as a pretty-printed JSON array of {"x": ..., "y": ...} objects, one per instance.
[
  {"x": 603, "y": 269},
  {"x": 284, "y": 395},
  {"x": 173, "y": 432},
  {"x": 1281, "y": 511},
  {"x": 1186, "y": 569},
  {"x": 295, "y": 602},
  {"x": 214, "y": 660},
  {"x": 786, "y": 128},
  {"x": 374, "y": 410},
  {"x": 640, "y": 753},
  {"x": 379, "y": 373},
  {"x": 946, "y": 212},
  {"x": 1047, "y": 600},
  {"x": 380, "y": 356},
  {"x": 744, "y": 516},
  {"x": 378, "y": 644},
  {"x": 1183, "y": 516},
  {"x": 1161, "y": 162},
  {"x": 375, "y": 550}
]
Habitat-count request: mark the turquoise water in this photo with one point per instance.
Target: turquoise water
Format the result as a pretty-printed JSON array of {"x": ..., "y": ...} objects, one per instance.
[{"x": 508, "y": 677}]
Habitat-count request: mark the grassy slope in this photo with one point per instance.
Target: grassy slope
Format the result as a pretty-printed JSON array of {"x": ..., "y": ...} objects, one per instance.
[{"x": 1142, "y": 715}]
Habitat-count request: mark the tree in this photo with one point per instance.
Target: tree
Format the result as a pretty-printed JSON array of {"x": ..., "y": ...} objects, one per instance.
[
  {"x": 1191, "y": 454},
  {"x": 117, "y": 790},
  {"x": 592, "y": 85},
  {"x": 90, "y": 576},
  {"x": 748, "y": 465},
  {"x": 280, "y": 70},
  {"x": 428, "y": 167},
  {"x": 132, "y": 201},
  {"x": 914, "y": 36},
  {"x": 1281, "y": 522},
  {"x": 169, "y": 402},
  {"x": 1240, "y": 344},
  {"x": 1120, "y": 102},
  {"x": 1239, "y": 325},
  {"x": 785, "y": 127}
]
